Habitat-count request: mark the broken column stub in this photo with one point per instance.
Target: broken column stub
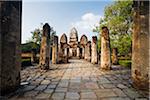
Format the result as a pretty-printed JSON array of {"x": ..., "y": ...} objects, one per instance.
[{"x": 115, "y": 56}]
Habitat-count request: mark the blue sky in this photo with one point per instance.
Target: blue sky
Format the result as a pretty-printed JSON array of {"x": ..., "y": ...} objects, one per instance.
[{"x": 62, "y": 16}]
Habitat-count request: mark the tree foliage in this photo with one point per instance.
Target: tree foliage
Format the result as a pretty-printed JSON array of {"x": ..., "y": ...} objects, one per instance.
[
  {"x": 37, "y": 34},
  {"x": 28, "y": 47},
  {"x": 35, "y": 41},
  {"x": 118, "y": 19}
]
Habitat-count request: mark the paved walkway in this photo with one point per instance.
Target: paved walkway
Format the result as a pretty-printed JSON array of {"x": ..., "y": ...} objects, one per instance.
[{"x": 77, "y": 80}]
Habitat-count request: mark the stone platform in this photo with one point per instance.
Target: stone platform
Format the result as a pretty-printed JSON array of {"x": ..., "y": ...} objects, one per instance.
[{"x": 77, "y": 80}]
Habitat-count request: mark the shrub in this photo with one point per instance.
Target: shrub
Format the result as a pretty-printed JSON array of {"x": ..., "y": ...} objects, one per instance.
[
  {"x": 125, "y": 63},
  {"x": 26, "y": 62}
]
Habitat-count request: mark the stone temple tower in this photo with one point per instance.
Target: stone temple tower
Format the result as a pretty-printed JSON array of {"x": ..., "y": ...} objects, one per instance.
[{"x": 73, "y": 43}]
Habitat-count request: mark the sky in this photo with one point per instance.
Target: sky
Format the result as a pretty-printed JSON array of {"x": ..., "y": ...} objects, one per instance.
[{"x": 62, "y": 15}]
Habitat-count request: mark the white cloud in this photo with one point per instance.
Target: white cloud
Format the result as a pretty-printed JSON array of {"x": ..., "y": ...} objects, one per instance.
[{"x": 86, "y": 24}]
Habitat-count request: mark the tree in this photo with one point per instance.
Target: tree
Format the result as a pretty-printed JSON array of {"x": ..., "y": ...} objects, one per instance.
[
  {"x": 52, "y": 34},
  {"x": 28, "y": 47},
  {"x": 35, "y": 40},
  {"x": 118, "y": 19},
  {"x": 37, "y": 34}
]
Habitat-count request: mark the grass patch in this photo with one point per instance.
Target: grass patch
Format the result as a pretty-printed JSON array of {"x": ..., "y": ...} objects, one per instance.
[{"x": 125, "y": 63}]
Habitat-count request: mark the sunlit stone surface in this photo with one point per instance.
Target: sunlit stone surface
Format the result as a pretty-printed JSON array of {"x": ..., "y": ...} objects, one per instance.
[
  {"x": 78, "y": 79},
  {"x": 73, "y": 42},
  {"x": 55, "y": 50},
  {"x": 105, "y": 49},
  {"x": 141, "y": 47},
  {"x": 45, "y": 48},
  {"x": 94, "y": 59}
]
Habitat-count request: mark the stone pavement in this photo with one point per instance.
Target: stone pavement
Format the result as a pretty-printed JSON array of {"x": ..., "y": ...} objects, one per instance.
[{"x": 77, "y": 80}]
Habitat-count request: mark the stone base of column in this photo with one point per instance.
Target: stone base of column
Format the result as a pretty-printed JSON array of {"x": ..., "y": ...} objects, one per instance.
[
  {"x": 94, "y": 62},
  {"x": 65, "y": 60},
  {"x": 140, "y": 83},
  {"x": 106, "y": 68},
  {"x": 9, "y": 89},
  {"x": 62, "y": 59},
  {"x": 89, "y": 59}
]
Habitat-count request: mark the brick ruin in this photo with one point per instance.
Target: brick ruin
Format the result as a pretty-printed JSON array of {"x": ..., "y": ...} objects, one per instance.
[
  {"x": 79, "y": 50},
  {"x": 73, "y": 43},
  {"x": 10, "y": 59},
  {"x": 63, "y": 49},
  {"x": 83, "y": 42}
]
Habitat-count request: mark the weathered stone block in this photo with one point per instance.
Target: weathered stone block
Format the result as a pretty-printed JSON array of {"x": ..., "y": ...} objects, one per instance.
[
  {"x": 55, "y": 50},
  {"x": 115, "y": 56},
  {"x": 73, "y": 43},
  {"x": 45, "y": 48},
  {"x": 33, "y": 56},
  {"x": 94, "y": 57},
  {"x": 10, "y": 53},
  {"x": 63, "y": 49},
  {"x": 105, "y": 49},
  {"x": 78, "y": 52},
  {"x": 141, "y": 48},
  {"x": 88, "y": 51},
  {"x": 83, "y": 42}
]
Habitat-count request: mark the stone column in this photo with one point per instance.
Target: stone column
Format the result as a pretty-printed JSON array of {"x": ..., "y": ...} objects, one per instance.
[
  {"x": 140, "y": 45},
  {"x": 54, "y": 54},
  {"x": 33, "y": 56},
  {"x": 55, "y": 50},
  {"x": 60, "y": 53},
  {"x": 94, "y": 59},
  {"x": 83, "y": 53},
  {"x": 45, "y": 48},
  {"x": 65, "y": 55},
  {"x": 65, "y": 51},
  {"x": 88, "y": 51},
  {"x": 105, "y": 49},
  {"x": 70, "y": 52},
  {"x": 10, "y": 40},
  {"x": 115, "y": 56},
  {"x": 78, "y": 52}
]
